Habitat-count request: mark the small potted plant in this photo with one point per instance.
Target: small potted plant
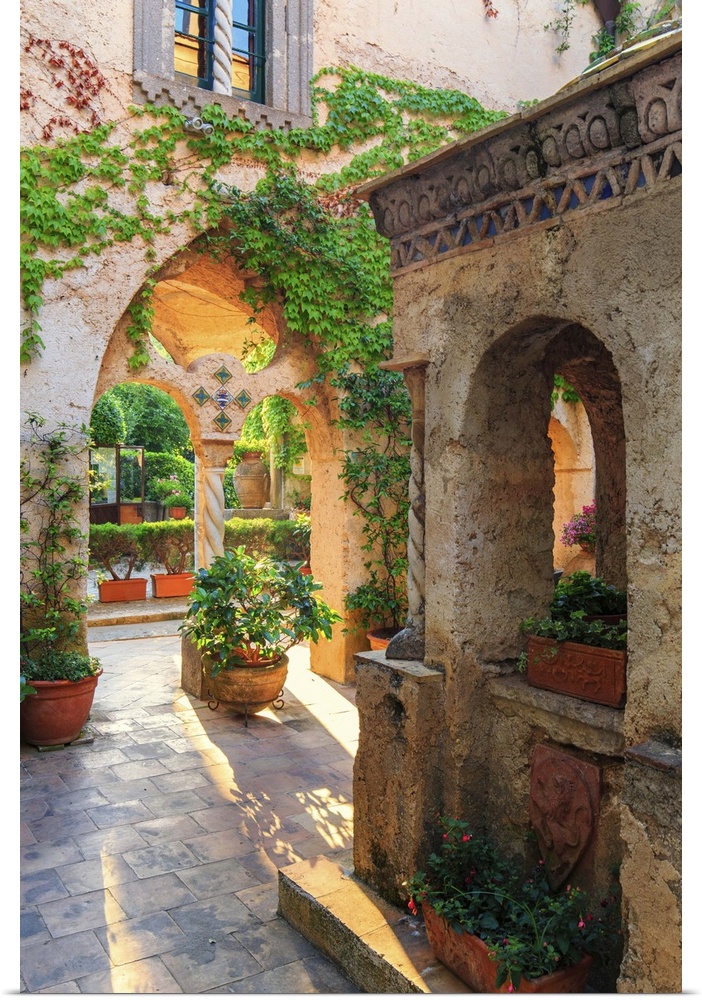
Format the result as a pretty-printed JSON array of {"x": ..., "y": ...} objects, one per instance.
[
  {"x": 172, "y": 545},
  {"x": 116, "y": 548},
  {"x": 174, "y": 498},
  {"x": 581, "y": 529},
  {"x": 244, "y": 615},
  {"x": 580, "y": 649},
  {"x": 501, "y": 929}
]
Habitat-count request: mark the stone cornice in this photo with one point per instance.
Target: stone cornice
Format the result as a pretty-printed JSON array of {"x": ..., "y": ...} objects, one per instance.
[{"x": 602, "y": 139}]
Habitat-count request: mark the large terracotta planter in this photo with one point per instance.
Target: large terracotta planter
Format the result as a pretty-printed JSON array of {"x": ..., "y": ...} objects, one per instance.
[
  {"x": 248, "y": 690},
  {"x": 252, "y": 480},
  {"x": 133, "y": 589},
  {"x": 172, "y": 584},
  {"x": 57, "y": 712},
  {"x": 586, "y": 672},
  {"x": 177, "y": 513},
  {"x": 380, "y": 638},
  {"x": 468, "y": 957}
]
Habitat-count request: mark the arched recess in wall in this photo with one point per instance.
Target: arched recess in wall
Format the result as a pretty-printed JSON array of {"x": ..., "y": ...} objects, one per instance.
[{"x": 510, "y": 476}]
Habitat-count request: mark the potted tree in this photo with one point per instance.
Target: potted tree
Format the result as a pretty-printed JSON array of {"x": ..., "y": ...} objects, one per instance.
[
  {"x": 117, "y": 549},
  {"x": 580, "y": 649},
  {"x": 503, "y": 930},
  {"x": 57, "y": 675},
  {"x": 243, "y": 616},
  {"x": 172, "y": 545}
]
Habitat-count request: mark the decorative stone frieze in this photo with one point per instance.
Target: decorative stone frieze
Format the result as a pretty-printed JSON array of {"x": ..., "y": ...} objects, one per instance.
[{"x": 582, "y": 151}]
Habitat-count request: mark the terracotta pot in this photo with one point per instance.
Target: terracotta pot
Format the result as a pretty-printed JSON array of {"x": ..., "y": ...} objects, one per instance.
[
  {"x": 172, "y": 584},
  {"x": 57, "y": 712},
  {"x": 586, "y": 672},
  {"x": 252, "y": 480},
  {"x": 177, "y": 513},
  {"x": 133, "y": 589},
  {"x": 250, "y": 689},
  {"x": 379, "y": 638},
  {"x": 468, "y": 957}
]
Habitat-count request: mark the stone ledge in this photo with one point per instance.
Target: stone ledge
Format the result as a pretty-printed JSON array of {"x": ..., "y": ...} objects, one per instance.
[
  {"x": 377, "y": 946},
  {"x": 565, "y": 719}
]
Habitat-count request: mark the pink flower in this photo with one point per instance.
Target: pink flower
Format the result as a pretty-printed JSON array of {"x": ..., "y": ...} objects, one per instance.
[
  {"x": 412, "y": 907},
  {"x": 581, "y": 923},
  {"x": 510, "y": 988},
  {"x": 465, "y": 838},
  {"x": 445, "y": 836}
]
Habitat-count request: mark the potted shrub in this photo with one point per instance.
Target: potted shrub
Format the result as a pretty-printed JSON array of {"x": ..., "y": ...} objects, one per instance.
[
  {"x": 117, "y": 549},
  {"x": 243, "y": 616},
  {"x": 580, "y": 649},
  {"x": 502, "y": 930},
  {"x": 173, "y": 496},
  {"x": 581, "y": 529},
  {"x": 172, "y": 545},
  {"x": 57, "y": 676}
]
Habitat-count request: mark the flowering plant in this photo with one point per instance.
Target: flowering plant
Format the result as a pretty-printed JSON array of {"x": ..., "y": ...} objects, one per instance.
[
  {"x": 529, "y": 930},
  {"x": 582, "y": 527},
  {"x": 171, "y": 494}
]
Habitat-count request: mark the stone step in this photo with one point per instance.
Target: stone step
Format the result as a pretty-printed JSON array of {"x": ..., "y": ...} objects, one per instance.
[{"x": 379, "y": 947}]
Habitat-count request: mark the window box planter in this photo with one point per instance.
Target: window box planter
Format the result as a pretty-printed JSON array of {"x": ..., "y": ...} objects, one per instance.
[
  {"x": 591, "y": 673},
  {"x": 172, "y": 584},
  {"x": 468, "y": 957},
  {"x": 133, "y": 589}
]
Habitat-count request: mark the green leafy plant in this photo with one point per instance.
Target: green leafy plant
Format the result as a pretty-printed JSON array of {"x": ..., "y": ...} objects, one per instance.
[
  {"x": 243, "y": 611},
  {"x": 58, "y": 665},
  {"x": 575, "y": 628},
  {"x": 376, "y": 404},
  {"x": 171, "y": 543},
  {"x": 261, "y": 536},
  {"x": 529, "y": 929},
  {"x": 52, "y": 565},
  {"x": 562, "y": 389},
  {"x": 302, "y": 533},
  {"x": 171, "y": 493},
  {"x": 589, "y": 594}
]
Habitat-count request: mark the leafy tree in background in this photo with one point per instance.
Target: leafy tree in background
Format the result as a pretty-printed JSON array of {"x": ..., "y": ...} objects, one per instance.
[
  {"x": 153, "y": 419},
  {"x": 107, "y": 424}
]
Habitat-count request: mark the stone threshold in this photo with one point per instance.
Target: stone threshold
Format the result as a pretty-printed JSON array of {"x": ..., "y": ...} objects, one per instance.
[{"x": 379, "y": 947}]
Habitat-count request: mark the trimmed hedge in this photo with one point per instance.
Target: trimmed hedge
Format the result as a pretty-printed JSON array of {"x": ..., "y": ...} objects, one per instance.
[{"x": 169, "y": 542}]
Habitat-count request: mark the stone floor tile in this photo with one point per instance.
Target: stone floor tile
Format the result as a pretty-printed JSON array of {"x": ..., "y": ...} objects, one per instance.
[
  {"x": 260, "y": 865},
  {"x": 88, "y": 911},
  {"x": 161, "y": 734},
  {"x": 310, "y": 975},
  {"x": 26, "y": 835},
  {"x": 50, "y": 854},
  {"x": 148, "y": 895},
  {"x": 177, "y": 782},
  {"x": 207, "y": 879},
  {"x": 81, "y": 798},
  {"x": 275, "y": 943},
  {"x": 138, "y": 769},
  {"x": 41, "y": 887},
  {"x": 176, "y": 803},
  {"x": 52, "y": 827},
  {"x": 209, "y": 962},
  {"x": 141, "y": 937},
  {"x": 166, "y": 829},
  {"x": 62, "y": 960},
  {"x": 64, "y": 988},
  {"x": 217, "y": 818},
  {"x": 98, "y": 873},
  {"x": 149, "y": 975},
  {"x": 215, "y": 915},
  {"x": 218, "y": 846},
  {"x": 40, "y": 786},
  {"x": 112, "y": 840},
  {"x": 160, "y": 859},
  {"x": 194, "y": 761},
  {"x": 262, "y": 900},
  {"x": 158, "y": 749},
  {"x": 116, "y": 790},
  {"x": 119, "y": 814},
  {"x": 32, "y": 926}
]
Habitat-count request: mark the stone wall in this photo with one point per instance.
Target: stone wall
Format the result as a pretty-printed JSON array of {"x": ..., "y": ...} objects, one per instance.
[{"x": 550, "y": 243}]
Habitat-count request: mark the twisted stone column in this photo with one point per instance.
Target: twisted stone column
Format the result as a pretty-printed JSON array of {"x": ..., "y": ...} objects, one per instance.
[
  {"x": 209, "y": 502},
  {"x": 222, "y": 55},
  {"x": 409, "y": 643}
]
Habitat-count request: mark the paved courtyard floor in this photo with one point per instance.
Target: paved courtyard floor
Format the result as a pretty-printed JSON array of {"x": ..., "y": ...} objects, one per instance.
[{"x": 149, "y": 857}]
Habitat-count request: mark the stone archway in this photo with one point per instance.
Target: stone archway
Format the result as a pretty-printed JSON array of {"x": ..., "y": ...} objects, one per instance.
[{"x": 200, "y": 321}]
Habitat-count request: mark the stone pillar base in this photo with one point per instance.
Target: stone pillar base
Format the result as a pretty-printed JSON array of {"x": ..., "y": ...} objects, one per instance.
[
  {"x": 397, "y": 779},
  {"x": 192, "y": 679}
]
